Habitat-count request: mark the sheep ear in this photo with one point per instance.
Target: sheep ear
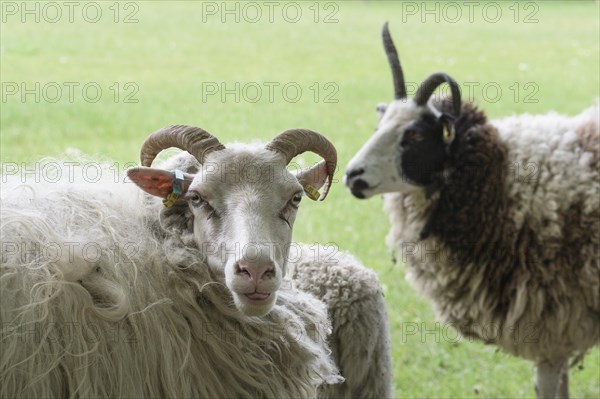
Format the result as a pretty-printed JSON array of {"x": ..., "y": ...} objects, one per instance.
[
  {"x": 448, "y": 126},
  {"x": 157, "y": 182},
  {"x": 380, "y": 109},
  {"x": 313, "y": 178}
]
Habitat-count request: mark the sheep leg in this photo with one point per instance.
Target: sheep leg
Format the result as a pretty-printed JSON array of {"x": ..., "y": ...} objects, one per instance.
[
  {"x": 552, "y": 380},
  {"x": 563, "y": 392}
]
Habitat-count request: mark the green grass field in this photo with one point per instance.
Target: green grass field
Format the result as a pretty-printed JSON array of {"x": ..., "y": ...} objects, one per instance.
[{"x": 104, "y": 81}]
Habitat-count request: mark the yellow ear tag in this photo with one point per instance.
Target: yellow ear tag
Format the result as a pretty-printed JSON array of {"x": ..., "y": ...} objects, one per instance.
[
  {"x": 311, "y": 192},
  {"x": 177, "y": 189},
  {"x": 170, "y": 200},
  {"x": 446, "y": 133}
]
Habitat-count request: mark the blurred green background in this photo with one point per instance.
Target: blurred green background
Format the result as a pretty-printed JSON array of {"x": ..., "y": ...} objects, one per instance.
[{"x": 100, "y": 76}]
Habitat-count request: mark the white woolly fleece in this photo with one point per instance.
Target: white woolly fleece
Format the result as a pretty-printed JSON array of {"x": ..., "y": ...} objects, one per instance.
[
  {"x": 97, "y": 301},
  {"x": 360, "y": 340}
]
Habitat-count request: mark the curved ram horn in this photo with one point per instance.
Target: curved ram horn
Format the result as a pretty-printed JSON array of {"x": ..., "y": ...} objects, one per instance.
[
  {"x": 194, "y": 140},
  {"x": 431, "y": 83},
  {"x": 394, "y": 61},
  {"x": 296, "y": 141}
]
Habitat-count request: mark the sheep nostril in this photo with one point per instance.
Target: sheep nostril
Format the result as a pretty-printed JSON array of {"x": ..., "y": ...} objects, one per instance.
[
  {"x": 355, "y": 172},
  {"x": 241, "y": 270},
  {"x": 256, "y": 271},
  {"x": 269, "y": 273}
]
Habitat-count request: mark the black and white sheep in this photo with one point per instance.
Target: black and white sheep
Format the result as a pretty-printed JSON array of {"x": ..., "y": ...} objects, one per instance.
[
  {"x": 105, "y": 292},
  {"x": 498, "y": 221}
]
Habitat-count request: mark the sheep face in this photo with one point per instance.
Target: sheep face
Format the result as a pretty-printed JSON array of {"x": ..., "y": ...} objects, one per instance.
[
  {"x": 244, "y": 205},
  {"x": 243, "y": 201},
  {"x": 412, "y": 140},
  {"x": 405, "y": 152}
]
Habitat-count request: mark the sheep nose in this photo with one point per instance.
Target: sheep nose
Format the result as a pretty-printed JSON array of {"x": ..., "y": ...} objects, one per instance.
[
  {"x": 256, "y": 271},
  {"x": 357, "y": 188},
  {"x": 355, "y": 183},
  {"x": 354, "y": 172}
]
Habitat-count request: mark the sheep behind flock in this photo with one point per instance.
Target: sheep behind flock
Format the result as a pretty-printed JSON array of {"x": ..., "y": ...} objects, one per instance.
[
  {"x": 498, "y": 221},
  {"x": 107, "y": 293}
]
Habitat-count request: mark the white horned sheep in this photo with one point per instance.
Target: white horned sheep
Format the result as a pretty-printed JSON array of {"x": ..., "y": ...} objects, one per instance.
[
  {"x": 509, "y": 256},
  {"x": 107, "y": 293}
]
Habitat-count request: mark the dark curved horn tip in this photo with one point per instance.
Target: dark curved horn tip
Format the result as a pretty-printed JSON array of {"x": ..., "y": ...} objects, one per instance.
[
  {"x": 394, "y": 62},
  {"x": 430, "y": 84}
]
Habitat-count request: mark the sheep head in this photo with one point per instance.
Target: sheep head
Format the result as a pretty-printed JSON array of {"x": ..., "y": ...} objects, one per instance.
[
  {"x": 243, "y": 201},
  {"x": 412, "y": 139}
]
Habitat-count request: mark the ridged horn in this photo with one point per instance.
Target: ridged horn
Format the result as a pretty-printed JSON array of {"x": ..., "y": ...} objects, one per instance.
[
  {"x": 194, "y": 140},
  {"x": 394, "y": 61},
  {"x": 431, "y": 83},
  {"x": 294, "y": 142}
]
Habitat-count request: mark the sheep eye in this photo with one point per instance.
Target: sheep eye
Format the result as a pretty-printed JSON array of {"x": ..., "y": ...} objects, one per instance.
[
  {"x": 413, "y": 135},
  {"x": 295, "y": 201},
  {"x": 194, "y": 198}
]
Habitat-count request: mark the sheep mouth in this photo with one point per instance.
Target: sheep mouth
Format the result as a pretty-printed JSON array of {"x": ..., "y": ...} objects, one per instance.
[
  {"x": 256, "y": 303},
  {"x": 258, "y": 297},
  {"x": 357, "y": 193},
  {"x": 360, "y": 186}
]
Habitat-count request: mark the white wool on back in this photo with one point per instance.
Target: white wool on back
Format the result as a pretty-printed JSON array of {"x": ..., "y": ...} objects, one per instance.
[{"x": 98, "y": 301}]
